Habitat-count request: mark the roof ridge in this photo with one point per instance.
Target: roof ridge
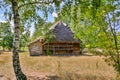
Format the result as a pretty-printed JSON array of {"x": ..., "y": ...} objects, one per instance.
[{"x": 56, "y": 23}]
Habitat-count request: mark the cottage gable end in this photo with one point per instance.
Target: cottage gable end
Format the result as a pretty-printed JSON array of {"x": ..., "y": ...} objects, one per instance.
[{"x": 62, "y": 32}]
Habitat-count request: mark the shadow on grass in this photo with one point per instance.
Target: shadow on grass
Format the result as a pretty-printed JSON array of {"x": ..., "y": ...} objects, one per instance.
[{"x": 64, "y": 55}]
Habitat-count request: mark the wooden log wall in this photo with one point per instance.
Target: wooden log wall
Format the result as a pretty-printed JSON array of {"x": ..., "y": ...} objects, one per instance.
[
  {"x": 57, "y": 48},
  {"x": 35, "y": 49}
]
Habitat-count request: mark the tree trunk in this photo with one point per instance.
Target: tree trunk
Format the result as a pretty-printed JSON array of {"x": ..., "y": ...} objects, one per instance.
[{"x": 16, "y": 64}]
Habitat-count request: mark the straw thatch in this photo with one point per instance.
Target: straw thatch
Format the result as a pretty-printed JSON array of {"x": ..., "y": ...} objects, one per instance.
[{"x": 63, "y": 33}]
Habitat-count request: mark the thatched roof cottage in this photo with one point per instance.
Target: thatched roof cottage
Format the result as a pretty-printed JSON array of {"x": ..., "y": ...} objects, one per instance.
[{"x": 58, "y": 40}]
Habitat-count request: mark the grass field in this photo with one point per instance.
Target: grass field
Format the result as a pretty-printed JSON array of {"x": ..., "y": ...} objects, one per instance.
[{"x": 58, "y": 67}]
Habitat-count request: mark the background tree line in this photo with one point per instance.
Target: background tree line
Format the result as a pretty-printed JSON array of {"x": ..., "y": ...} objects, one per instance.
[{"x": 6, "y": 37}]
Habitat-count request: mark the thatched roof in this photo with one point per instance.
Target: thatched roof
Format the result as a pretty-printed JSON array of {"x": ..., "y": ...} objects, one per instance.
[
  {"x": 40, "y": 39},
  {"x": 63, "y": 33}
]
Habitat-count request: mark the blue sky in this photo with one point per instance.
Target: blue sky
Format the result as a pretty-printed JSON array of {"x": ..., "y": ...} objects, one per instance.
[
  {"x": 49, "y": 19},
  {"x": 2, "y": 19}
]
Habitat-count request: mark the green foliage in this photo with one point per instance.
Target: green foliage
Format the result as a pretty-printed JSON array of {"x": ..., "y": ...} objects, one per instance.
[
  {"x": 7, "y": 42},
  {"x": 26, "y": 18},
  {"x": 41, "y": 29},
  {"x": 57, "y": 2},
  {"x": 6, "y": 36},
  {"x": 96, "y": 24},
  {"x": 48, "y": 52},
  {"x": 24, "y": 37},
  {"x": 49, "y": 36}
]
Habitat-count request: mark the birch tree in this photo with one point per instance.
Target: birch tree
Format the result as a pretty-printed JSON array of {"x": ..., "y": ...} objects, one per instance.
[{"x": 14, "y": 13}]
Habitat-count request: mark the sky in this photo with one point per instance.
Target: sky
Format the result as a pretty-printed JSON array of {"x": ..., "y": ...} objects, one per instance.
[
  {"x": 49, "y": 19},
  {"x": 2, "y": 19}
]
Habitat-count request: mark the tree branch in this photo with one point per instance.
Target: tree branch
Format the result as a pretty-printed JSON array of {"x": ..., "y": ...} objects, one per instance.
[{"x": 33, "y": 3}]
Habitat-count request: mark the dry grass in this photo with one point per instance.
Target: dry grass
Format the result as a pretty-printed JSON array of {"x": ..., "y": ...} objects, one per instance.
[{"x": 65, "y": 67}]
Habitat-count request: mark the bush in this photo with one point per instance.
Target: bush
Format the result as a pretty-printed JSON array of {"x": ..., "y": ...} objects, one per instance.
[{"x": 48, "y": 52}]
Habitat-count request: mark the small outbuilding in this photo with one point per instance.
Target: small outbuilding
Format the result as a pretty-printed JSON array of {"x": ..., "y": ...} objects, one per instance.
[{"x": 58, "y": 40}]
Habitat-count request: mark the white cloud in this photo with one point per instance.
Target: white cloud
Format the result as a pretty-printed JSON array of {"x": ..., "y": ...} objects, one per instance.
[
  {"x": 1, "y": 15},
  {"x": 118, "y": 18},
  {"x": 3, "y": 21},
  {"x": 12, "y": 23},
  {"x": 55, "y": 14},
  {"x": 2, "y": 18}
]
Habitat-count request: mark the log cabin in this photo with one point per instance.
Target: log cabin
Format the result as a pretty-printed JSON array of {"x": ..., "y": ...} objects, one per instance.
[{"x": 61, "y": 42}]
